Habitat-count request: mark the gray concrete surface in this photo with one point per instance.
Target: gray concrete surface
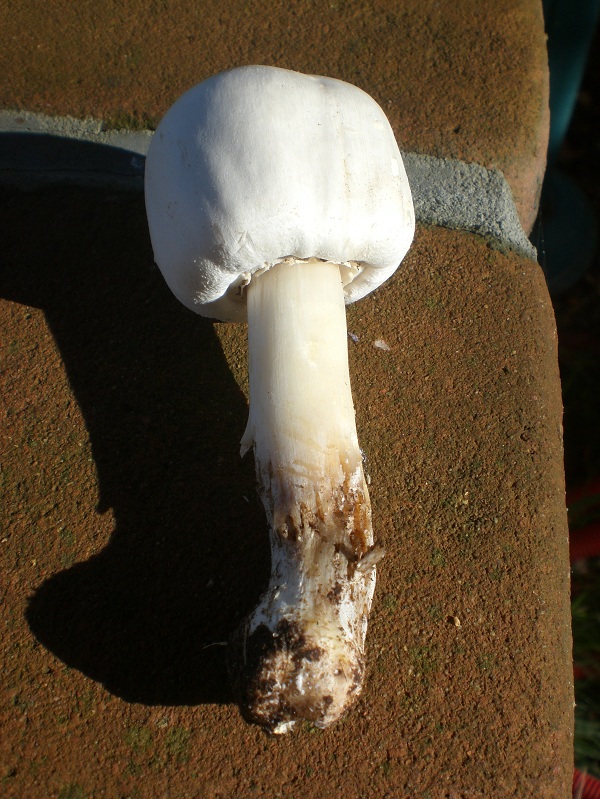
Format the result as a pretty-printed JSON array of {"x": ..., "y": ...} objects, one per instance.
[{"x": 38, "y": 150}]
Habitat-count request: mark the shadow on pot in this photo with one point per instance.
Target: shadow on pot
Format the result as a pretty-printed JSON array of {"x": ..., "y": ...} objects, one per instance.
[{"x": 148, "y": 615}]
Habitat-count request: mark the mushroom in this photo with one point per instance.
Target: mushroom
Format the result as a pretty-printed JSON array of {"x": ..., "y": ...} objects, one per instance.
[{"x": 278, "y": 197}]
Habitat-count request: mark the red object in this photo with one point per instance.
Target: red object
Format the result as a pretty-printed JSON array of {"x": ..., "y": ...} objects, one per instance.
[
  {"x": 585, "y": 542},
  {"x": 584, "y": 491},
  {"x": 585, "y": 786}
]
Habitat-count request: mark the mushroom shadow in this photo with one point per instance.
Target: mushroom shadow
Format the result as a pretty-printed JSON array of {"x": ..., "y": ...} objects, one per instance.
[{"x": 146, "y": 616}]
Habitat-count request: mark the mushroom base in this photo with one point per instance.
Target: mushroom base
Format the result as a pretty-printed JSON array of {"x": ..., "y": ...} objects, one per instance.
[
  {"x": 285, "y": 677},
  {"x": 300, "y": 654}
]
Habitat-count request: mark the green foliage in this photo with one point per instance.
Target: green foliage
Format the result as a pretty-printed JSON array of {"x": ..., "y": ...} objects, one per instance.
[
  {"x": 177, "y": 744},
  {"x": 72, "y": 791},
  {"x": 125, "y": 120}
]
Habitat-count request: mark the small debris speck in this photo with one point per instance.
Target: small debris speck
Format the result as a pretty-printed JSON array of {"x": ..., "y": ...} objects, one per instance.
[{"x": 380, "y": 344}]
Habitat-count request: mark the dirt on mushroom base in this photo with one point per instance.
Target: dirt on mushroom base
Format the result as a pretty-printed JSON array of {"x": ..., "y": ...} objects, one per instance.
[{"x": 122, "y": 422}]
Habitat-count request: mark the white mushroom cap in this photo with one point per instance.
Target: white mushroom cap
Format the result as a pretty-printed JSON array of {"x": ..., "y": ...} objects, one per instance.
[{"x": 260, "y": 164}]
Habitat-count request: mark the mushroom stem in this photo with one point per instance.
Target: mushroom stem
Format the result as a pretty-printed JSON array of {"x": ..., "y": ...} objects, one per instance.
[{"x": 300, "y": 653}]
